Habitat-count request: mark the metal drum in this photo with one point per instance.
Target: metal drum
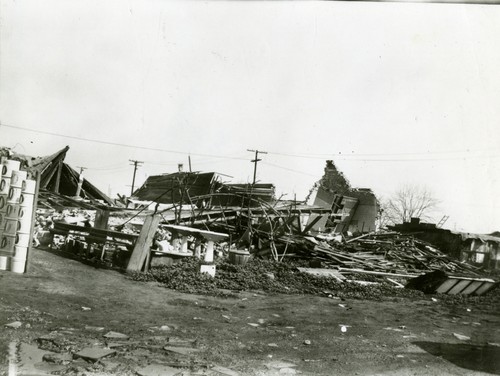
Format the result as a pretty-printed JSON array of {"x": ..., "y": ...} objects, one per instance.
[
  {"x": 14, "y": 194},
  {"x": 3, "y": 203},
  {"x": 20, "y": 252},
  {"x": 22, "y": 240},
  {"x": 4, "y": 185},
  {"x": 12, "y": 210},
  {"x": 26, "y": 200},
  {"x": 29, "y": 186},
  {"x": 8, "y": 166},
  {"x": 17, "y": 265},
  {"x": 4, "y": 263},
  {"x": 17, "y": 178},
  {"x": 11, "y": 226},
  {"x": 7, "y": 244}
]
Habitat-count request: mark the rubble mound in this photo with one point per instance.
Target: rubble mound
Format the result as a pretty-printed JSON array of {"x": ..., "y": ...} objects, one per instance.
[{"x": 265, "y": 275}]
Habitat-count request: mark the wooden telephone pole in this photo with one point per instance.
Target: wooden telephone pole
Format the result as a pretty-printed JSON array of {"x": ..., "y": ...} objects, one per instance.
[
  {"x": 255, "y": 161},
  {"x": 135, "y": 164}
]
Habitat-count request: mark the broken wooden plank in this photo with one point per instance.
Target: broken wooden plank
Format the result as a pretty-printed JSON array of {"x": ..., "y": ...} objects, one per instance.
[
  {"x": 321, "y": 272},
  {"x": 143, "y": 243},
  {"x": 361, "y": 271}
]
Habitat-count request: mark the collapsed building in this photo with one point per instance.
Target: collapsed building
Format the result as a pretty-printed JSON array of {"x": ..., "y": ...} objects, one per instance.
[
  {"x": 353, "y": 210},
  {"x": 60, "y": 185},
  {"x": 197, "y": 214}
]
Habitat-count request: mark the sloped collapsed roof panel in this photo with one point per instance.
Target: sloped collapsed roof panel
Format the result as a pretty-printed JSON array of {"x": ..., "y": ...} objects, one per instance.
[
  {"x": 191, "y": 187},
  {"x": 69, "y": 184},
  {"x": 176, "y": 187},
  {"x": 48, "y": 167}
]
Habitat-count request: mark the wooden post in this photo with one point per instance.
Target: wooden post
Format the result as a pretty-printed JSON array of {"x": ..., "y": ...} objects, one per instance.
[
  {"x": 209, "y": 253},
  {"x": 184, "y": 244},
  {"x": 197, "y": 248},
  {"x": 143, "y": 243},
  {"x": 101, "y": 219},
  {"x": 33, "y": 220}
]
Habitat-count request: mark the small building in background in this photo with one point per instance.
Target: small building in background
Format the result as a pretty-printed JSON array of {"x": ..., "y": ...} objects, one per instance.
[{"x": 478, "y": 249}]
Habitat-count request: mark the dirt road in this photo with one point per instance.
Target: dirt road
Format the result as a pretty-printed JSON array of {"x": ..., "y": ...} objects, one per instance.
[{"x": 72, "y": 305}]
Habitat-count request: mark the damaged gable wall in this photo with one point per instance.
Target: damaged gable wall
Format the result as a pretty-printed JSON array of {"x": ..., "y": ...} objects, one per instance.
[
  {"x": 365, "y": 215},
  {"x": 333, "y": 180},
  {"x": 353, "y": 210}
]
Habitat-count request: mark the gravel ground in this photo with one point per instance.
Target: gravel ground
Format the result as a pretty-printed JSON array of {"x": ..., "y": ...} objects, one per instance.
[{"x": 65, "y": 306}]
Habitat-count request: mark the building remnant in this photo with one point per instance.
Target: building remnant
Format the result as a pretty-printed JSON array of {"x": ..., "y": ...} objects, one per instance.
[
  {"x": 477, "y": 249},
  {"x": 57, "y": 179},
  {"x": 353, "y": 210}
]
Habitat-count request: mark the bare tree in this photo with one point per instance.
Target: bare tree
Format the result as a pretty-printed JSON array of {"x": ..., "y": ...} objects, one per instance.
[{"x": 409, "y": 201}]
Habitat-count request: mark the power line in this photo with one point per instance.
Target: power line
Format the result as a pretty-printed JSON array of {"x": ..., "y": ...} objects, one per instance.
[
  {"x": 339, "y": 156},
  {"x": 346, "y": 156},
  {"x": 119, "y": 144},
  {"x": 289, "y": 169}
]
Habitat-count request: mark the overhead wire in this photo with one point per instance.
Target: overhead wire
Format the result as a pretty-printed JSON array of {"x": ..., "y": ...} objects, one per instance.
[
  {"x": 355, "y": 157},
  {"x": 288, "y": 169},
  {"x": 119, "y": 144}
]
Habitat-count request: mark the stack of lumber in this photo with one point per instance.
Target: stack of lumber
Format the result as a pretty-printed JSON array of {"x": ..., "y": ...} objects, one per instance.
[{"x": 387, "y": 252}]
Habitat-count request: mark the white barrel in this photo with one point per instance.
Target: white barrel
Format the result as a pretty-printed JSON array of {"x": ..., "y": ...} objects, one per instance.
[
  {"x": 3, "y": 202},
  {"x": 4, "y": 263},
  {"x": 11, "y": 226},
  {"x": 29, "y": 186},
  {"x": 17, "y": 265},
  {"x": 21, "y": 239},
  {"x": 17, "y": 178},
  {"x": 26, "y": 200},
  {"x": 4, "y": 185},
  {"x": 8, "y": 242},
  {"x": 14, "y": 194},
  {"x": 24, "y": 225},
  {"x": 25, "y": 218},
  {"x": 12, "y": 210},
  {"x": 20, "y": 252},
  {"x": 8, "y": 166}
]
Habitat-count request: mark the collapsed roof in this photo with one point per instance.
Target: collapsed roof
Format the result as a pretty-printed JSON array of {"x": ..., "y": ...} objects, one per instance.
[
  {"x": 201, "y": 189},
  {"x": 55, "y": 175},
  {"x": 178, "y": 187}
]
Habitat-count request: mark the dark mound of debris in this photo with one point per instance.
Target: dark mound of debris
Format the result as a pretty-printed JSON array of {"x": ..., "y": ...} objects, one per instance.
[{"x": 266, "y": 275}]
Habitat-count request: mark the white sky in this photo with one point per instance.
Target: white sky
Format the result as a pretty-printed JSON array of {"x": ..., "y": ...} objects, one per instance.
[{"x": 395, "y": 93}]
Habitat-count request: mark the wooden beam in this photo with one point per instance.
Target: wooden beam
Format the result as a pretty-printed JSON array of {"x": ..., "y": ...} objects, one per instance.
[
  {"x": 143, "y": 244},
  {"x": 311, "y": 224},
  {"x": 346, "y": 271},
  {"x": 58, "y": 177}
]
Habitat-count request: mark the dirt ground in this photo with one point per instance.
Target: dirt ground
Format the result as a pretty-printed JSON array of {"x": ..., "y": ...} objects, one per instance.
[{"x": 71, "y": 306}]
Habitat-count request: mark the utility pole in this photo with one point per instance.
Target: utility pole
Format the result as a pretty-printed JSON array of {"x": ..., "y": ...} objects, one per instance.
[
  {"x": 135, "y": 164},
  {"x": 80, "y": 181},
  {"x": 255, "y": 161}
]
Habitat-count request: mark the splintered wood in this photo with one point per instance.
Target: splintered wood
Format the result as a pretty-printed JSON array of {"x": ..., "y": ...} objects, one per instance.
[{"x": 391, "y": 252}]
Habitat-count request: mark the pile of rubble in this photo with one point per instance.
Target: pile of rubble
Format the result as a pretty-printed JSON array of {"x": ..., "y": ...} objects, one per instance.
[{"x": 390, "y": 252}]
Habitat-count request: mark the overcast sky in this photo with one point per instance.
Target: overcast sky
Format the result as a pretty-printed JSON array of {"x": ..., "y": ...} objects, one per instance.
[{"x": 394, "y": 93}]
